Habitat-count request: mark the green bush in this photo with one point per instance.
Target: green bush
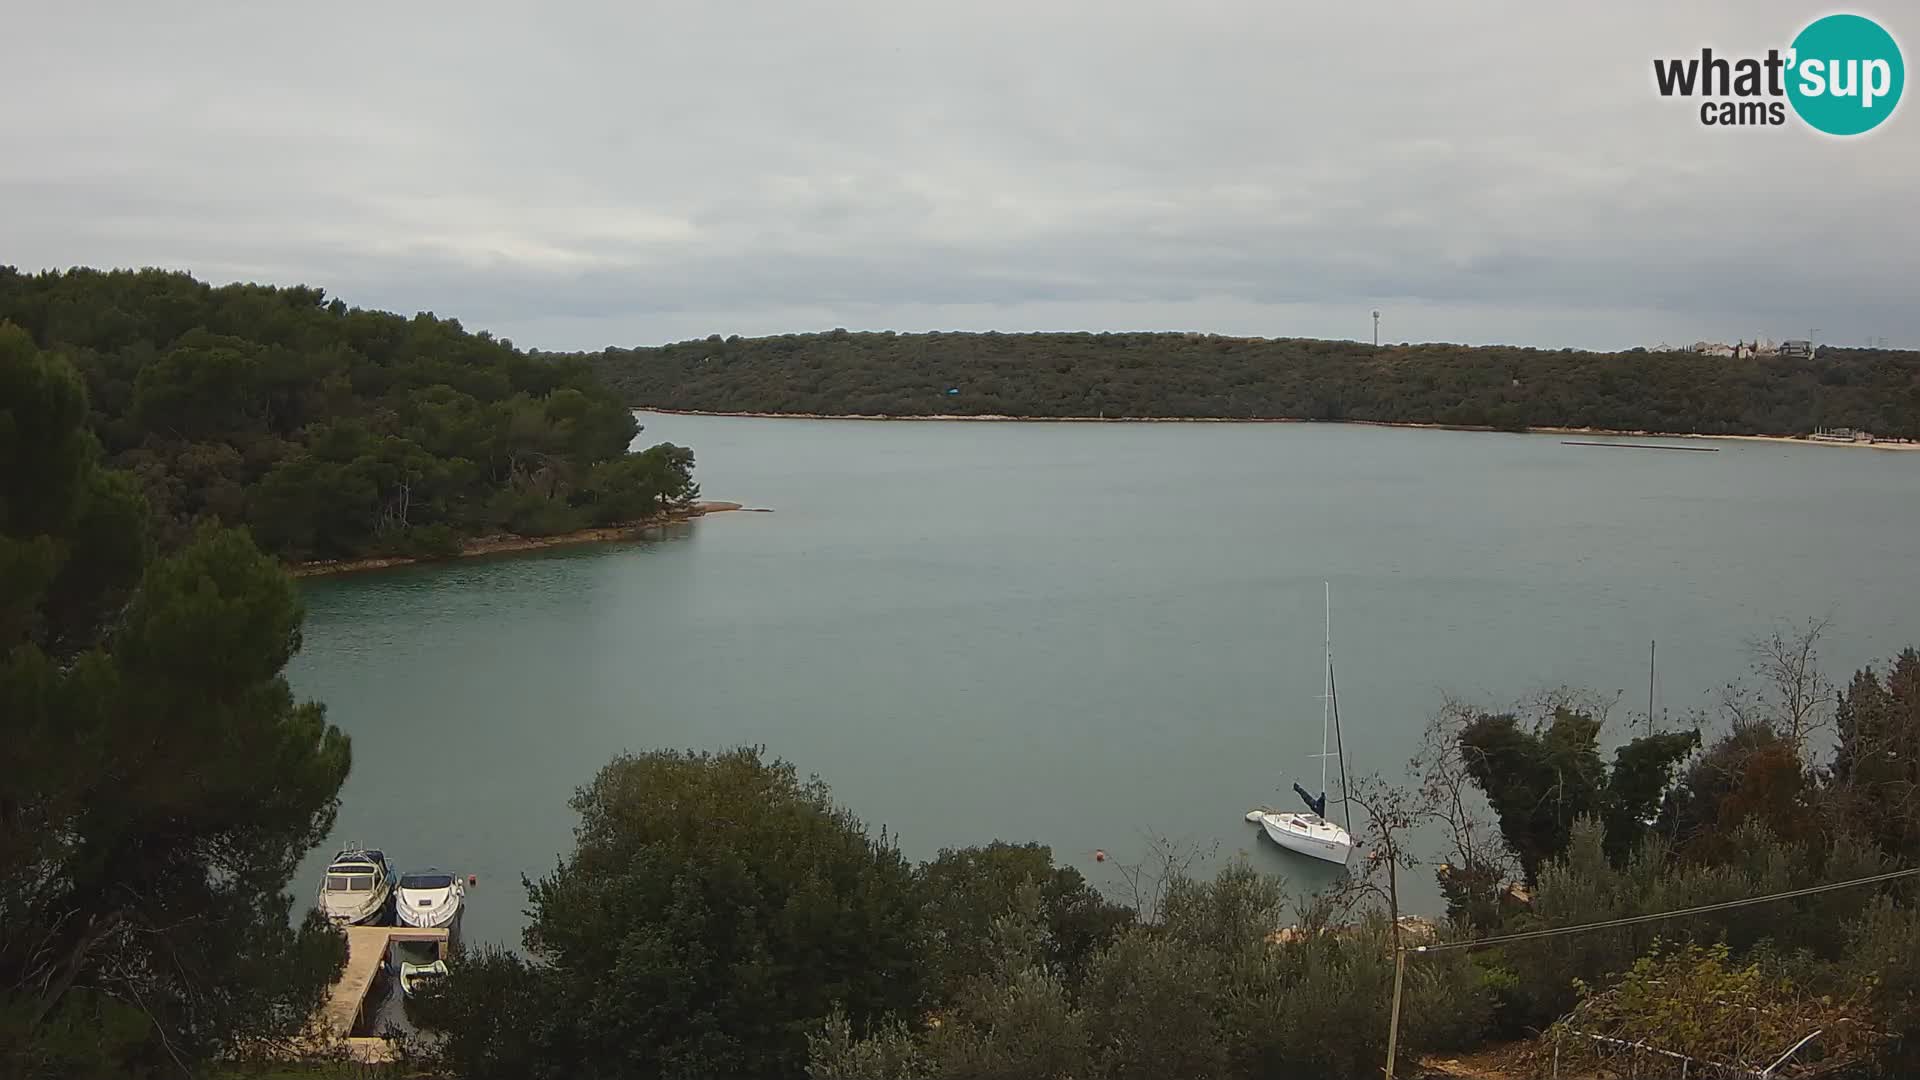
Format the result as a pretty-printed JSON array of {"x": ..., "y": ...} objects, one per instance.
[
  {"x": 715, "y": 912},
  {"x": 1211, "y": 990},
  {"x": 429, "y": 542}
]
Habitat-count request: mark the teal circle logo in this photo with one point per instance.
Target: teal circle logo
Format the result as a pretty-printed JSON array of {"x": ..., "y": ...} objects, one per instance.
[{"x": 1846, "y": 75}]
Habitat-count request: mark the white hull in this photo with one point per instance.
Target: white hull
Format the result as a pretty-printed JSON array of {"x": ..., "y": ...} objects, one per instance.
[
  {"x": 425, "y": 919},
  {"x": 350, "y": 910},
  {"x": 356, "y": 887},
  {"x": 412, "y": 976},
  {"x": 429, "y": 900},
  {"x": 1308, "y": 835}
]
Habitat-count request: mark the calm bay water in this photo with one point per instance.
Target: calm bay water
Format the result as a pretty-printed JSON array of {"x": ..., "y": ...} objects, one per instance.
[{"x": 1081, "y": 634}]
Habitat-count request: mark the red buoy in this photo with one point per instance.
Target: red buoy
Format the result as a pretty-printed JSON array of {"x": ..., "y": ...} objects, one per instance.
[{"x": 1099, "y": 855}]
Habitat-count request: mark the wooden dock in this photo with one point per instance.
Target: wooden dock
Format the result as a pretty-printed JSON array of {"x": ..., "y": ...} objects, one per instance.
[{"x": 344, "y": 1019}]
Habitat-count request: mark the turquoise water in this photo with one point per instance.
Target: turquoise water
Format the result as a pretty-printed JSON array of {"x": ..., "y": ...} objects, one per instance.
[{"x": 1083, "y": 634}]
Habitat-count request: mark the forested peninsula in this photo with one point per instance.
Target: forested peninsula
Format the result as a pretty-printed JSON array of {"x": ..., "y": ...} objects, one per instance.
[
  {"x": 332, "y": 432},
  {"x": 1208, "y": 376}
]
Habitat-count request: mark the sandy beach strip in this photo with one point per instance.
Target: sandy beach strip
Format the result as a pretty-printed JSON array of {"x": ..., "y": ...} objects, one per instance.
[{"x": 1792, "y": 440}]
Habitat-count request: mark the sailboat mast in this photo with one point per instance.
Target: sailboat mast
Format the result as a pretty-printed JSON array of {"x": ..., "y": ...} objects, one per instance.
[
  {"x": 1326, "y": 702},
  {"x": 1340, "y": 751}
]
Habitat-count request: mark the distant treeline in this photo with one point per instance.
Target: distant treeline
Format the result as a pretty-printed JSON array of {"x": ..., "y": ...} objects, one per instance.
[
  {"x": 1206, "y": 375},
  {"x": 333, "y": 431}
]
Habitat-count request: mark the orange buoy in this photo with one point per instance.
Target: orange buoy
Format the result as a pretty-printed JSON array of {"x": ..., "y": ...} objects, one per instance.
[{"x": 1099, "y": 855}]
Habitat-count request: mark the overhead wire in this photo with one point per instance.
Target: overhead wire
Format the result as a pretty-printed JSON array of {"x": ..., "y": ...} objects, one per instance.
[{"x": 1679, "y": 913}]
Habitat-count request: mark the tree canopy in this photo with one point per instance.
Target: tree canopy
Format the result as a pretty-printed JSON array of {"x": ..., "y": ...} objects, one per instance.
[
  {"x": 1876, "y": 766},
  {"x": 1752, "y": 813},
  {"x": 1540, "y": 779},
  {"x": 1211, "y": 990},
  {"x": 331, "y": 431},
  {"x": 964, "y": 891},
  {"x": 715, "y": 910},
  {"x": 161, "y": 782},
  {"x": 718, "y": 916},
  {"x": 1209, "y": 375}
]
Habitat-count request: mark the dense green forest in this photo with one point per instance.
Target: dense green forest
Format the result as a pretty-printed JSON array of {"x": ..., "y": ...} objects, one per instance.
[
  {"x": 332, "y": 431},
  {"x": 1206, "y": 375},
  {"x": 161, "y": 782}
]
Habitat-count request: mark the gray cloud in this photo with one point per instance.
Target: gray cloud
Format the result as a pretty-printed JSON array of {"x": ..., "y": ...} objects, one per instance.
[{"x": 628, "y": 174}]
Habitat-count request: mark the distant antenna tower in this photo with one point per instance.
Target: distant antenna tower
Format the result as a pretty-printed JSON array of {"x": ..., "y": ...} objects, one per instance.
[{"x": 1376, "y": 329}]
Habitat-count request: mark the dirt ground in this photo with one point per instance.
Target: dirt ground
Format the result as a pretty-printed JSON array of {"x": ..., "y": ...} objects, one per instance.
[{"x": 1507, "y": 1061}]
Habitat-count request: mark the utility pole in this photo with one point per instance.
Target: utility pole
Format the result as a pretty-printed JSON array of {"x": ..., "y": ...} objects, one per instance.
[
  {"x": 1393, "y": 1024},
  {"x": 1650, "y": 646}
]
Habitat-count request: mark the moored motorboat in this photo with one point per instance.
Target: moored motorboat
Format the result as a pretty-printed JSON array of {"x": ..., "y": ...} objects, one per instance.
[
  {"x": 428, "y": 899},
  {"x": 356, "y": 886}
]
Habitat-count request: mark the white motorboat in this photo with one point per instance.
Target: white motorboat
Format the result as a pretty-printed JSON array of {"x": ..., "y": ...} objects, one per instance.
[
  {"x": 428, "y": 899},
  {"x": 1311, "y": 833},
  {"x": 356, "y": 886}
]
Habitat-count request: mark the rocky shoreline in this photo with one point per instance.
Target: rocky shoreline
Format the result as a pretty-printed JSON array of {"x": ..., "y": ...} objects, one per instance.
[{"x": 509, "y": 542}]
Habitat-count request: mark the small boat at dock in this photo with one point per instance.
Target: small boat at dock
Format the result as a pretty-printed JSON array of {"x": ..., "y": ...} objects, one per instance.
[
  {"x": 417, "y": 964},
  {"x": 415, "y": 976},
  {"x": 429, "y": 899}
]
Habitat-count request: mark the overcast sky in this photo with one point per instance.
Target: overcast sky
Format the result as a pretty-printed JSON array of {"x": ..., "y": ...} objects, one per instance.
[{"x": 577, "y": 175}]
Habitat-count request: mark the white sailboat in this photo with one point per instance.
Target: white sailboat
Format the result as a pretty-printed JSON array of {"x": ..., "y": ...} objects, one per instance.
[{"x": 1312, "y": 833}]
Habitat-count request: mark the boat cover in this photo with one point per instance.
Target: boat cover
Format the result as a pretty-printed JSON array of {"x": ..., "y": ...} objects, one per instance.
[{"x": 1318, "y": 806}]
